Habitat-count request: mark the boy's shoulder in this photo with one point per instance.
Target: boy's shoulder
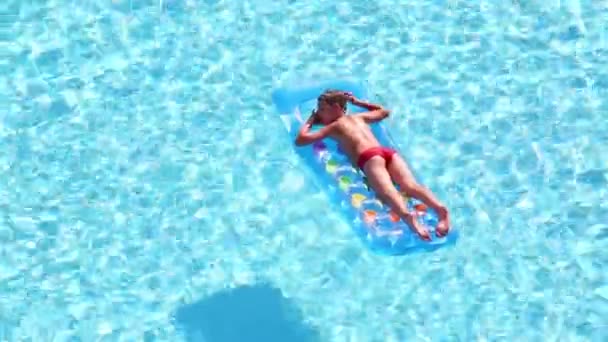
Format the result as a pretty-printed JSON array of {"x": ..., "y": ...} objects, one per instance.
[
  {"x": 348, "y": 121},
  {"x": 348, "y": 118},
  {"x": 352, "y": 117}
]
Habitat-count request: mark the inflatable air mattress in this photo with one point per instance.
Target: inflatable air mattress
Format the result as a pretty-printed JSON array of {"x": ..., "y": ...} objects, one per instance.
[{"x": 379, "y": 229}]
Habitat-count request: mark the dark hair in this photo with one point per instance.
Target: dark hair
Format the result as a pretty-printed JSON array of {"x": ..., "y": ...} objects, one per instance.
[{"x": 330, "y": 96}]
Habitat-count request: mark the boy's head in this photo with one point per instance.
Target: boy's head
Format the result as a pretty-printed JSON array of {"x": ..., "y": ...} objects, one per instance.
[{"x": 331, "y": 105}]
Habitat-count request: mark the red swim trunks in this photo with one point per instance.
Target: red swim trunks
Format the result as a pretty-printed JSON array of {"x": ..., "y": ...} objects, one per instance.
[{"x": 384, "y": 152}]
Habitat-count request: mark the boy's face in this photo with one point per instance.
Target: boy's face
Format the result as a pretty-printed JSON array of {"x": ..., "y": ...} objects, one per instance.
[{"x": 329, "y": 112}]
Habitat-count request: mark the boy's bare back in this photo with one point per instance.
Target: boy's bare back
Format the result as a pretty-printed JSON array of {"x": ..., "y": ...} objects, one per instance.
[{"x": 354, "y": 135}]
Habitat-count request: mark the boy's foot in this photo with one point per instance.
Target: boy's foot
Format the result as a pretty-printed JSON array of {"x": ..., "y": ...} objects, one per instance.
[
  {"x": 422, "y": 232},
  {"x": 443, "y": 227}
]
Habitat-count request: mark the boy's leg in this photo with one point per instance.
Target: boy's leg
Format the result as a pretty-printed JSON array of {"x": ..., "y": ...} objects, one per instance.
[
  {"x": 380, "y": 181},
  {"x": 401, "y": 174}
]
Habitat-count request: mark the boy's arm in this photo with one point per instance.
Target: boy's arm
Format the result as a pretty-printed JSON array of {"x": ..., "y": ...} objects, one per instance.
[
  {"x": 375, "y": 112},
  {"x": 306, "y": 137}
]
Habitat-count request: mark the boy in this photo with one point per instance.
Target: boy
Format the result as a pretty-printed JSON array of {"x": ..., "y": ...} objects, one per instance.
[{"x": 381, "y": 165}]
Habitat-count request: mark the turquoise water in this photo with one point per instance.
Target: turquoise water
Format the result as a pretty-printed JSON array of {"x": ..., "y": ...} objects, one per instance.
[{"x": 144, "y": 167}]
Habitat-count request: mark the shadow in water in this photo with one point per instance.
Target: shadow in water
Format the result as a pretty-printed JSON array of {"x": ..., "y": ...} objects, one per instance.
[{"x": 257, "y": 313}]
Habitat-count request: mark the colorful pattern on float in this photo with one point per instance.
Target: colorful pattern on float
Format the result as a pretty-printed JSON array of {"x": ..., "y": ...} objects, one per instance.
[
  {"x": 354, "y": 184},
  {"x": 379, "y": 228}
]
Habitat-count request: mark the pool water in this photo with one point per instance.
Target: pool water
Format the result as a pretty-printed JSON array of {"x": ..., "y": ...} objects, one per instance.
[{"x": 144, "y": 166}]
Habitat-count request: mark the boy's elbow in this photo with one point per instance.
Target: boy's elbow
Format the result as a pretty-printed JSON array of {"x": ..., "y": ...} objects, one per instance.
[
  {"x": 385, "y": 113},
  {"x": 301, "y": 141}
]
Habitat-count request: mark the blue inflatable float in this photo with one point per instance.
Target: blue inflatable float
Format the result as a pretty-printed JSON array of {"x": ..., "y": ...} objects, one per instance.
[{"x": 378, "y": 228}]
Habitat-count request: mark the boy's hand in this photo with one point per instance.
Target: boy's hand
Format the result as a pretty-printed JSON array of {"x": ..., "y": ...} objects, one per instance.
[
  {"x": 311, "y": 119},
  {"x": 350, "y": 97}
]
